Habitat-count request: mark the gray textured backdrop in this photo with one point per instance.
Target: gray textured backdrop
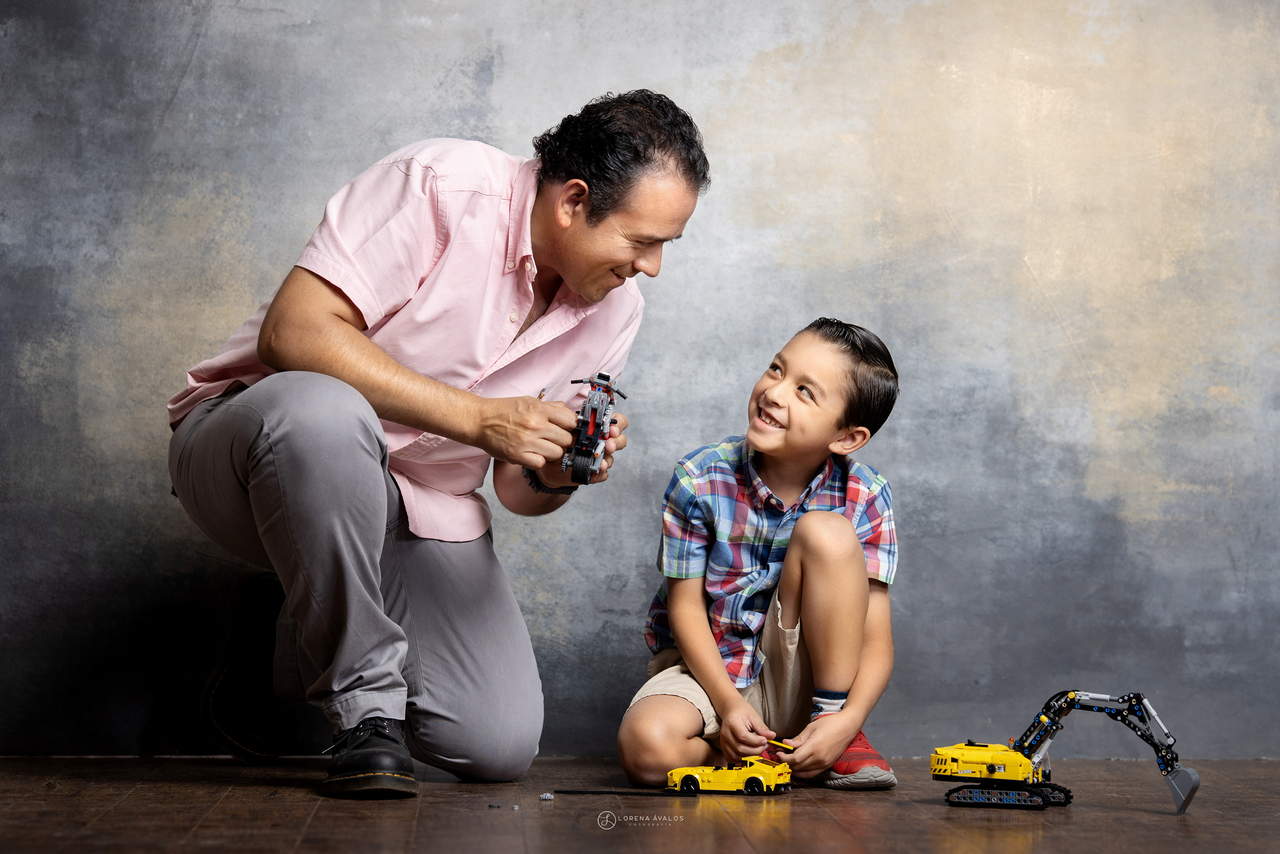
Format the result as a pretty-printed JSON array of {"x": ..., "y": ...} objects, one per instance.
[{"x": 1062, "y": 217}]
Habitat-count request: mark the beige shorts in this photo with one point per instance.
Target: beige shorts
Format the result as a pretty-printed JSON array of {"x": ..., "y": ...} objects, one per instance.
[{"x": 783, "y": 695}]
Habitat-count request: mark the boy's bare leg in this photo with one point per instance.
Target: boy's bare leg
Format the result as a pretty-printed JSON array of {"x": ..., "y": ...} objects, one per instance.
[
  {"x": 659, "y": 733},
  {"x": 824, "y": 583}
]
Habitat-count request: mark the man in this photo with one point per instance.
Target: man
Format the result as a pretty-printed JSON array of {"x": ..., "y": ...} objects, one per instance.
[{"x": 341, "y": 434}]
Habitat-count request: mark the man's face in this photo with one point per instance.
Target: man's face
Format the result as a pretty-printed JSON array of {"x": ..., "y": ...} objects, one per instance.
[
  {"x": 796, "y": 405},
  {"x": 595, "y": 259}
]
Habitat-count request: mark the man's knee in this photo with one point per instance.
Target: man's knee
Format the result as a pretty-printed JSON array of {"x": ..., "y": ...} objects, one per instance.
[
  {"x": 315, "y": 411},
  {"x": 498, "y": 750}
]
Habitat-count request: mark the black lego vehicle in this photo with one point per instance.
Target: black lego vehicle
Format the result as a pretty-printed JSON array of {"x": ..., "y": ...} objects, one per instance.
[{"x": 594, "y": 420}]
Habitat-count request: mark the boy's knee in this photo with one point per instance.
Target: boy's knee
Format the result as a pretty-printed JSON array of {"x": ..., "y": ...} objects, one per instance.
[
  {"x": 826, "y": 532},
  {"x": 645, "y": 750}
]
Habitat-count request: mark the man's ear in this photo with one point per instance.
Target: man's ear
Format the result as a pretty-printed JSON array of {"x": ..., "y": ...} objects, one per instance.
[
  {"x": 850, "y": 440},
  {"x": 571, "y": 201}
]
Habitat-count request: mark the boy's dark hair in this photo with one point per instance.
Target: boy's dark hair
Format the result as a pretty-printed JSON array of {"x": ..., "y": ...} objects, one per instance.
[
  {"x": 873, "y": 379},
  {"x": 617, "y": 138}
]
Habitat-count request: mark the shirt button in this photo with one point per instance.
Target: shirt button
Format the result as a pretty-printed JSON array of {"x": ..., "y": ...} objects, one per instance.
[
  {"x": 512, "y": 317},
  {"x": 511, "y": 265}
]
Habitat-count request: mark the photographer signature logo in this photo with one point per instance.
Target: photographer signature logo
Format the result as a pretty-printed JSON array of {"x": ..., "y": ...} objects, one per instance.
[{"x": 607, "y": 820}]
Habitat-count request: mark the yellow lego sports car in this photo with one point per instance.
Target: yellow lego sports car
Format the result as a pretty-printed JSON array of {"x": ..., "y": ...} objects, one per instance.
[{"x": 755, "y": 776}]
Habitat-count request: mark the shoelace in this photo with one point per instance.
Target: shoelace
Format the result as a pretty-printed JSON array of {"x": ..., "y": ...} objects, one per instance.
[{"x": 365, "y": 727}]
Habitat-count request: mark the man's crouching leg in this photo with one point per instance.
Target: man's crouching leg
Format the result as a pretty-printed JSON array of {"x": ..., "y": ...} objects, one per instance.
[{"x": 475, "y": 705}]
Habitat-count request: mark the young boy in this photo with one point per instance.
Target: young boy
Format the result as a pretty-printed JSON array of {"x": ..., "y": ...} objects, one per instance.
[{"x": 763, "y": 534}]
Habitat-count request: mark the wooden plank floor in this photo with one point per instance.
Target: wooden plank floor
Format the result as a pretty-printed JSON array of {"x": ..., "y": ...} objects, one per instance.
[{"x": 217, "y": 804}]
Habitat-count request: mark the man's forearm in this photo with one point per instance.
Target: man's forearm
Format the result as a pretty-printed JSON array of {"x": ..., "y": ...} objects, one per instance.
[
  {"x": 396, "y": 393},
  {"x": 517, "y": 496}
]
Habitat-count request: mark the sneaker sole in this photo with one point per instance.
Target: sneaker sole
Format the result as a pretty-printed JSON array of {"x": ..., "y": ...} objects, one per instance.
[
  {"x": 865, "y": 778},
  {"x": 374, "y": 784}
]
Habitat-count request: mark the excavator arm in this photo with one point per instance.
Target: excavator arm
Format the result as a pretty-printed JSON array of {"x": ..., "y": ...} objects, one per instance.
[{"x": 1135, "y": 712}]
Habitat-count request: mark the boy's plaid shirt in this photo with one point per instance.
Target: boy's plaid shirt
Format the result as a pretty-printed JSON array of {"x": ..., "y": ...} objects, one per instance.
[{"x": 721, "y": 521}]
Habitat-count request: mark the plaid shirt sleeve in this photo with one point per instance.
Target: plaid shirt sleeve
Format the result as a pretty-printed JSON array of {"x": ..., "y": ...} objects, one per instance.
[
  {"x": 876, "y": 532},
  {"x": 683, "y": 552}
]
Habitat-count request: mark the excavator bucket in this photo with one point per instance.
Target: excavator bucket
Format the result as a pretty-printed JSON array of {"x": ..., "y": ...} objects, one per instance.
[{"x": 1184, "y": 783}]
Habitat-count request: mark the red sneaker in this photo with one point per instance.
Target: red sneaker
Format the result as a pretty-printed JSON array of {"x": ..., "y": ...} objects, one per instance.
[{"x": 860, "y": 767}]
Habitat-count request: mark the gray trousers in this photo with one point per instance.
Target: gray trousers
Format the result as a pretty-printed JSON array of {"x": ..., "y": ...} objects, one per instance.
[{"x": 291, "y": 473}]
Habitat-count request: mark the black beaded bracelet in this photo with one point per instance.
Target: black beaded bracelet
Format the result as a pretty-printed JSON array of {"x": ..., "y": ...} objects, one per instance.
[{"x": 536, "y": 484}]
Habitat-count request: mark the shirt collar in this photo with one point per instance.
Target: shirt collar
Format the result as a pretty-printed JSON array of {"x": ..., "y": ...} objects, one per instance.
[
  {"x": 762, "y": 495},
  {"x": 524, "y": 189}
]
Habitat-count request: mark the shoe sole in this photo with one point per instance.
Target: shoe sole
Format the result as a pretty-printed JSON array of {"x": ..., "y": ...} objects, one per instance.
[
  {"x": 374, "y": 784},
  {"x": 865, "y": 778}
]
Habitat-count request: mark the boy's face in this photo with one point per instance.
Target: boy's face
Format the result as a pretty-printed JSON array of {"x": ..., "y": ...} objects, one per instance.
[{"x": 796, "y": 405}]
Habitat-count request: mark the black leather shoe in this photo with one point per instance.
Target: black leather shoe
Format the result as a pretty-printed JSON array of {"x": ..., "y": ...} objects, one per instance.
[{"x": 372, "y": 762}]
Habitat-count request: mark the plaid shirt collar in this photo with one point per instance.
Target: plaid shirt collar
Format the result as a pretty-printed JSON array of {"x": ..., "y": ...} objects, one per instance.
[{"x": 762, "y": 496}]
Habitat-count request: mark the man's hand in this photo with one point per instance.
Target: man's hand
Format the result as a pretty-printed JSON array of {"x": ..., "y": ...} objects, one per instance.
[
  {"x": 524, "y": 430},
  {"x": 616, "y": 442},
  {"x": 742, "y": 732},
  {"x": 820, "y": 744},
  {"x": 553, "y": 475}
]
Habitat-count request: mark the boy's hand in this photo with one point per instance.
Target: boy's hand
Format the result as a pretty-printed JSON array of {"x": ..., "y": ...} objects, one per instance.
[
  {"x": 742, "y": 732},
  {"x": 820, "y": 744}
]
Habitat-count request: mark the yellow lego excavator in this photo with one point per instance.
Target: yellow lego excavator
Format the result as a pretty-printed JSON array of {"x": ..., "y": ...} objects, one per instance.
[{"x": 1017, "y": 777}]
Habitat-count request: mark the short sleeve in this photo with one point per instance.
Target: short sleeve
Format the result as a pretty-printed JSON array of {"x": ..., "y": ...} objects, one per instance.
[
  {"x": 683, "y": 552},
  {"x": 876, "y": 533},
  {"x": 378, "y": 238}
]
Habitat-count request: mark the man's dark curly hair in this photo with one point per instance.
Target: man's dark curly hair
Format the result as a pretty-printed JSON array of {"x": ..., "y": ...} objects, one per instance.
[
  {"x": 872, "y": 380},
  {"x": 616, "y": 139}
]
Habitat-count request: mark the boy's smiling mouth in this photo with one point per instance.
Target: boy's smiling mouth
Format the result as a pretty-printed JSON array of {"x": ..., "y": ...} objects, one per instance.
[{"x": 768, "y": 420}]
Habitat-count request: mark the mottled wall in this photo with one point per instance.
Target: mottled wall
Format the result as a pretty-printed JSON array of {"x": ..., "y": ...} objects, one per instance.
[{"x": 1061, "y": 216}]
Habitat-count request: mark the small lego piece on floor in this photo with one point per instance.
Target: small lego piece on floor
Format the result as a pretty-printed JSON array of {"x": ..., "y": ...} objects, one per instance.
[
  {"x": 546, "y": 796},
  {"x": 515, "y": 806},
  {"x": 495, "y": 806}
]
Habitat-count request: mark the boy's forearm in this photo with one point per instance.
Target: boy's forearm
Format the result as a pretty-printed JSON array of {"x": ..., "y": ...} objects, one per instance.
[{"x": 701, "y": 655}]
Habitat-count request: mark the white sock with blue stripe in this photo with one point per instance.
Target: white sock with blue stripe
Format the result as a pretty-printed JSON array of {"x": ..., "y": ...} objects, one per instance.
[{"x": 827, "y": 702}]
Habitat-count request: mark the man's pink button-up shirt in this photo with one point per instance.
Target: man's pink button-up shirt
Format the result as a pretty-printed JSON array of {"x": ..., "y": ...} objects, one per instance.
[{"x": 432, "y": 245}]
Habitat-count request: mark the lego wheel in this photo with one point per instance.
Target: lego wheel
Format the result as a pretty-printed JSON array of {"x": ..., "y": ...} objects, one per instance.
[
  {"x": 995, "y": 796},
  {"x": 1054, "y": 795},
  {"x": 689, "y": 783},
  {"x": 754, "y": 786},
  {"x": 582, "y": 469}
]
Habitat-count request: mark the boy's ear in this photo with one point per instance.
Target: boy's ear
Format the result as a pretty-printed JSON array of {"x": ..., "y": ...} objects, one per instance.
[{"x": 849, "y": 440}]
